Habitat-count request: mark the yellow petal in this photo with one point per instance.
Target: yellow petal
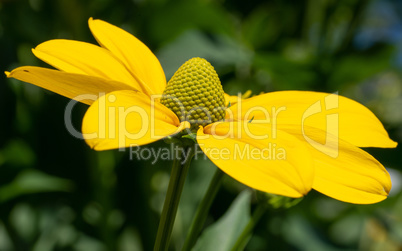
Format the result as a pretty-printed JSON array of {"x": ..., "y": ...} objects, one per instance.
[
  {"x": 231, "y": 100},
  {"x": 84, "y": 58},
  {"x": 82, "y": 88},
  {"x": 135, "y": 55},
  {"x": 344, "y": 117},
  {"x": 343, "y": 171},
  {"x": 250, "y": 154},
  {"x": 126, "y": 118}
]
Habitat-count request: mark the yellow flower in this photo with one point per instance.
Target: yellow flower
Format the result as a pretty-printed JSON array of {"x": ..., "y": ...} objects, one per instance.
[{"x": 284, "y": 143}]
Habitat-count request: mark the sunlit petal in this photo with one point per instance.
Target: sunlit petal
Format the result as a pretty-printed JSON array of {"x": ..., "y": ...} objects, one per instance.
[
  {"x": 271, "y": 162},
  {"x": 352, "y": 121},
  {"x": 137, "y": 57},
  {"x": 127, "y": 118},
  {"x": 343, "y": 171},
  {"x": 231, "y": 100},
  {"x": 84, "y": 58},
  {"x": 82, "y": 88}
]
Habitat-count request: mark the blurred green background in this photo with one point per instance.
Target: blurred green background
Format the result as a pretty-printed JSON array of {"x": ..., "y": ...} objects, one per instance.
[{"x": 57, "y": 194}]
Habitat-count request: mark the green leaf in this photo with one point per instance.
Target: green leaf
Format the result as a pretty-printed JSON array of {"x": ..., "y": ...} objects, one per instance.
[
  {"x": 191, "y": 136},
  {"x": 18, "y": 153},
  {"x": 222, "y": 235},
  {"x": 299, "y": 232},
  {"x": 32, "y": 181}
]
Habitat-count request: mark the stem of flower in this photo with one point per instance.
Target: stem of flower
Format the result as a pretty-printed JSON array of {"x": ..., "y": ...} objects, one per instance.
[
  {"x": 202, "y": 210},
  {"x": 177, "y": 178},
  {"x": 247, "y": 231}
]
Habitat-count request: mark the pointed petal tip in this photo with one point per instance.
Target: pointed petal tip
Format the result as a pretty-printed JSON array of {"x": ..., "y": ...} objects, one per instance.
[
  {"x": 294, "y": 193},
  {"x": 385, "y": 142},
  {"x": 393, "y": 144},
  {"x": 184, "y": 125},
  {"x": 7, "y": 74},
  {"x": 93, "y": 21},
  {"x": 302, "y": 194},
  {"x": 35, "y": 51},
  {"x": 378, "y": 199}
]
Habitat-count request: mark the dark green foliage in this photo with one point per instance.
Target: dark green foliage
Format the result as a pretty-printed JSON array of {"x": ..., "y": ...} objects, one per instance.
[{"x": 57, "y": 194}]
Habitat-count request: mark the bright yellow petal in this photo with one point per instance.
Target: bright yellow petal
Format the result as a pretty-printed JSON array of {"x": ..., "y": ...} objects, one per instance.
[
  {"x": 135, "y": 55},
  {"x": 84, "y": 58},
  {"x": 231, "y": 100},
  {"x": 126, "y": 118},
  {"x": 82, "y": 88},
  {"x": 249, "y": 153},
  {"x": 344, "y": 117},
  {"x": 343, "y": 171}
]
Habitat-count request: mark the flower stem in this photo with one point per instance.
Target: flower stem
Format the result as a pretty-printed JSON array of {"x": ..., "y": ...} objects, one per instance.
[
  {"x": 202, "y": 210},
  {"x": 247, "y": 231},
  {"x": 177, "y": 178}
]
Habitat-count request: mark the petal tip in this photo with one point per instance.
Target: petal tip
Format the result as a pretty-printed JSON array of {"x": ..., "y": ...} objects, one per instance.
[
  {"x": 374, "y": 201},
  {"x": 200, "y": 129},
  {"x": 90, "y": 20},
  {"x": 183, "y": 125},
  {"x": 35, "y": 50},
  {"x": 387, "y": 143},
  {"x": 8, "y": 74},
  {"x": 186, "y": 124}
]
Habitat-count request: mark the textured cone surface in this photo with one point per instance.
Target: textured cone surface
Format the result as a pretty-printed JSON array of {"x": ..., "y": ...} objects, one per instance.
[{"x": 195, "y": 94}]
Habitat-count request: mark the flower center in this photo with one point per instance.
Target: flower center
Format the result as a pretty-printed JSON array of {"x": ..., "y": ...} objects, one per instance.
[{"x": 195, "y": 94}]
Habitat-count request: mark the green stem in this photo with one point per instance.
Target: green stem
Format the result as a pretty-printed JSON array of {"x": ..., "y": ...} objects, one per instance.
[
  {"x": 203, "y": 209},
  {"x": 177, "y": 178},
  {"x": 245, "y": 235}
]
